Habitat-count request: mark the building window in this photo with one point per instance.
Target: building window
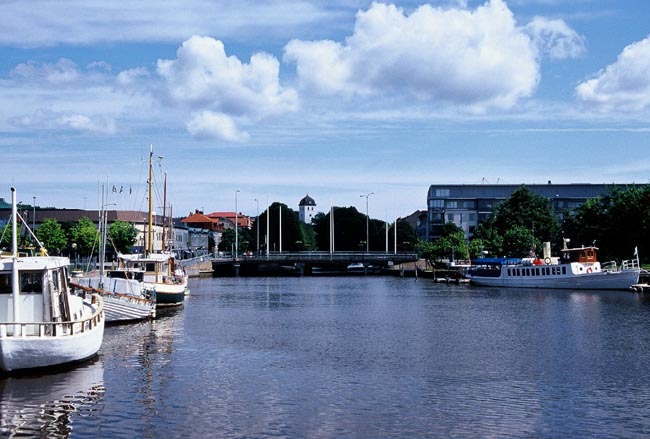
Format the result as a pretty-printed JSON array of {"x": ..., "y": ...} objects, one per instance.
[
  {"x": 472, "y": 217},
  {"x": 469, "y": 204},
  {"x": 450, "y": 217},
  {"x": 437, "y": 204},
  {"x": 442, "y": 192},
  {"x": 452, "y": 204}
]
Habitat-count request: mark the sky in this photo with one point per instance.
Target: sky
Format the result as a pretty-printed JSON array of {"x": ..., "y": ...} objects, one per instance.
[{"x": 250, "y": 102}]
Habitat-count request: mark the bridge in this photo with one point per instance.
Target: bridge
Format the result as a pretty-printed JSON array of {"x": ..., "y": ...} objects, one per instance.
[{"x": 308, "y": 263}]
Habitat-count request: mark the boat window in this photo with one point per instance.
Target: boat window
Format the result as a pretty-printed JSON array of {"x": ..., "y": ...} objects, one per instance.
[
  {"x": 563, "y": 270},
  {"x": 5, "y": 283},
  {"x": 31, "y": 282},
  {"x": 150, "y": 266}
]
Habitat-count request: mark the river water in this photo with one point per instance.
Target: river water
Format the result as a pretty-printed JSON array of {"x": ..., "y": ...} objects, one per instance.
[{"x": 345, "y": 357}]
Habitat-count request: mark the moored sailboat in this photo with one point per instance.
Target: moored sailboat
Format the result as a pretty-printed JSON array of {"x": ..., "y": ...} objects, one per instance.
[
  {"x": 125, "y": 299},
  {"x": 158, "y": 273},
  {"x": 41, "y": 323}
]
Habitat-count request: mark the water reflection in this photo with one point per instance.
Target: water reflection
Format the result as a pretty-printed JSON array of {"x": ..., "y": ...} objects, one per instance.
[{"x": 44, "y": 405}]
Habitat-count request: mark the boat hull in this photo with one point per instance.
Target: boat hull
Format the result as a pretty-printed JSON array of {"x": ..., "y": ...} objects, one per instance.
[
  {"x": 170, "y": 294},
  {"x": 124, "y": 300},
  {"x": 605, "y": 280},
  {"x": 124, "y": 309},
  {"x": 18, "y": 353}
]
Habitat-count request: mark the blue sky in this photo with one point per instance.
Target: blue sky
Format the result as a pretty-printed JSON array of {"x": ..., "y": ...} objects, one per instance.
[{"x": 281, "y": 98}]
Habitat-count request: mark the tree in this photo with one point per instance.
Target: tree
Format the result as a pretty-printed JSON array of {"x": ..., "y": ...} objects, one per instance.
[
  {"x": 295, "y": 237},
  {"x": 85, "y": 236},
  {"x": 407, "y": 239},
  {"x": 528, "y": 210},
  {"x": 518, "y": 241},
  {"x": 616, "y": 223},
  {"x": 515, "y": 222},
  {"x": 122, "y": 235},
  {"x": 51, "y": 235},
  {"x": 5, "y": 236},
  {"x": 449, "y": 246}
]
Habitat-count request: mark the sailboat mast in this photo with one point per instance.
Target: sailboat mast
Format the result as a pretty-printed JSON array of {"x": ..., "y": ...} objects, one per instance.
[
  {"x": 15, "y": 284},
  {"x": 102, "y": 236},
  {"x": 150, "y": 231},
  {"x": 164, "y": 229}
]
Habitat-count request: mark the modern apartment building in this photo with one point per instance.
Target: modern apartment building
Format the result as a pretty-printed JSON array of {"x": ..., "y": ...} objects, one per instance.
[{"x": 467, "y": 205}]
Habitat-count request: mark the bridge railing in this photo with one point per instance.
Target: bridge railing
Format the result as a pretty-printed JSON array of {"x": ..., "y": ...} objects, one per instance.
[{"x": 325, "y": 256}]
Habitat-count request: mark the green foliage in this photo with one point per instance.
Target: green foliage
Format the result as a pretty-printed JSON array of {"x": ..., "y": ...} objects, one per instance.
[
  {"x": 517, "y": 226},
  {"x": 51, "y": 235},
  {"x": 227, "y": 241},
  {"x": 530, "y": 211},
  {"x": 616, "y": 223},
  {"x": 475, "y": 248},
  {"x": 518, "y": 241},
  {"x": 449, "y": 246},
  {"x": 488, "y": 238},
  {"x": 407, "y": 239},
  {"x": 85, "y": 236},
  {"x": 122, "y": 235},
  {"x": 5, "y": 236}
]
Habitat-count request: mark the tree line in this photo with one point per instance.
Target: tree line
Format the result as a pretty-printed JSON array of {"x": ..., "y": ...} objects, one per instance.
[
  {"x": 617, "y": 223},
  {"x": 79, "y": 238}
]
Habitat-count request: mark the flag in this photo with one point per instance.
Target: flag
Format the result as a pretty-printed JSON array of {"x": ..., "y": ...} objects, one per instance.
[
  {"x": 121, "y": 189},
  {"x": 114, "y": 188},
  {"x": 636, "y": 251}
]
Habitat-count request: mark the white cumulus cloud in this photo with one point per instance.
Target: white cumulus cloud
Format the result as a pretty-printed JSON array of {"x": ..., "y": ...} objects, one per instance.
[
  {"x": 623, "y": 85},
  {"x": 204, "y": 77},
  {"x": 471, "y": 58},
  {"x": 210, "y": 125},
  {"x": 555, "y": 38}
]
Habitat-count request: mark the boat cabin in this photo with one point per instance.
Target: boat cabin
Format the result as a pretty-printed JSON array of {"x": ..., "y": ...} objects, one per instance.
[{"x": 582, "y": 254}]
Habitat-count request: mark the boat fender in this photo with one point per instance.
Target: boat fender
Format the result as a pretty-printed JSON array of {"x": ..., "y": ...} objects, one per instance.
[
  {"x": 548, "y": 261},
  {"x": 589, "y": 270}
]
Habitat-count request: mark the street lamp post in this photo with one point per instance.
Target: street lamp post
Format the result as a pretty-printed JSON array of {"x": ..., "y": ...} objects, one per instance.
[
  {"x": 236, "y": 226},
  {"x": 367, "y": 222}
]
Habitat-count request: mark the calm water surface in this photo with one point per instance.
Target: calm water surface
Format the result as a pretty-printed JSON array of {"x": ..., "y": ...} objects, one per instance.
[{"x": 356, "y": 357}]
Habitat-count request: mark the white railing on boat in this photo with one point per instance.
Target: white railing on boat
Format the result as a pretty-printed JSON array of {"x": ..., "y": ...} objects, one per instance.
[
  {"x": 630, "y": 264},
  {"x": 55, "y": 329}
]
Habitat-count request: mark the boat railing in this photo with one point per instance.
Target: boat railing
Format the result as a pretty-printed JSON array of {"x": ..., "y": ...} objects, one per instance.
[
  {"x": 630, "y": 264},
  {"x": 56, "y": 329}
]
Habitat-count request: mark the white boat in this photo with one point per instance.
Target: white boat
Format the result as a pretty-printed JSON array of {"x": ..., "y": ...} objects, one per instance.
[
  {"x": 41, "y": 323},
  {"x": 125, "y": 300},
  {"x": 158, "y": 273},
  {"x": 577, "y": 269}
]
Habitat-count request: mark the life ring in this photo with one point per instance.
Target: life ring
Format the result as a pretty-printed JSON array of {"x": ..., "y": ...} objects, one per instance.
[
  {"x": 589, "y": 270},
  {"x": 548, "y": 261}
]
